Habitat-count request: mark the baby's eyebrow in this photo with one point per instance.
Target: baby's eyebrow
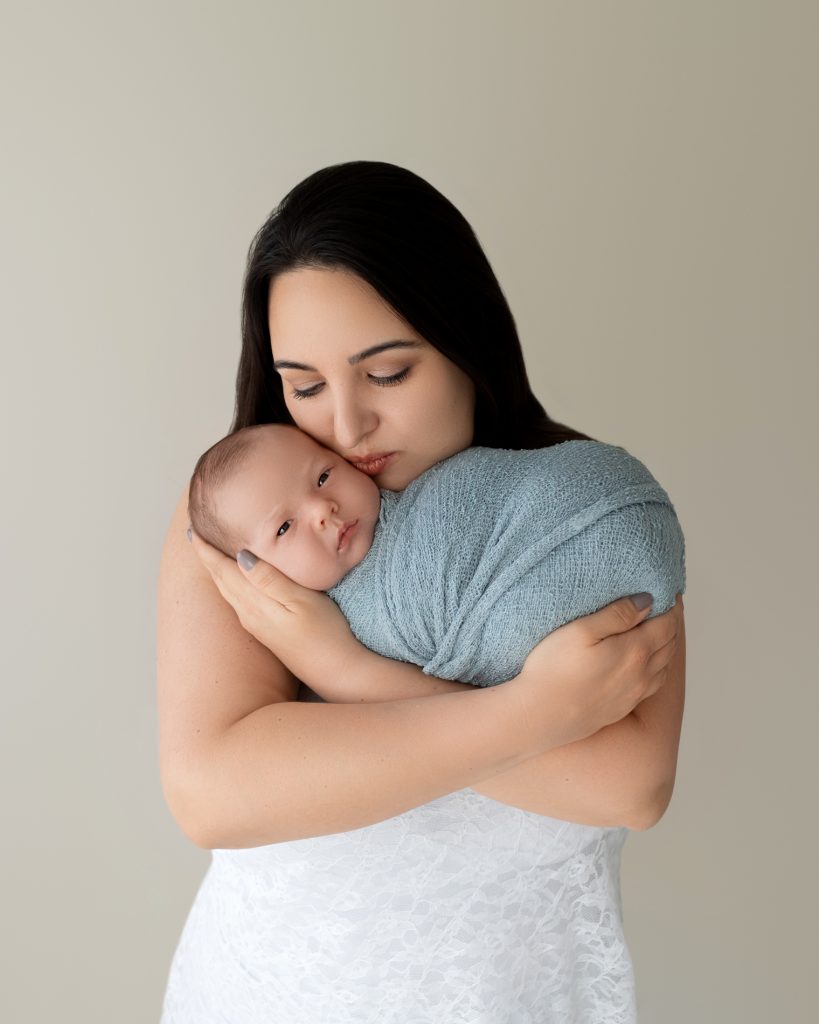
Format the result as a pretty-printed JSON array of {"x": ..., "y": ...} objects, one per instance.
[
  {"x": 311, "y": 468},
  {"x": 288, "y": 364},
  {"x": 273, "y": 514}
]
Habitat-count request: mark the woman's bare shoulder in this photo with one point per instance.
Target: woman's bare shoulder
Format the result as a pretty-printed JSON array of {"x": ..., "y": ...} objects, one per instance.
[{"x": 210, "y": 671}]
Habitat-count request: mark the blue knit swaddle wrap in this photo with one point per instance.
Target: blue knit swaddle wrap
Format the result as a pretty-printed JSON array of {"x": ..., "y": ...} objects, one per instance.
[{"x": 490, "y": 550}]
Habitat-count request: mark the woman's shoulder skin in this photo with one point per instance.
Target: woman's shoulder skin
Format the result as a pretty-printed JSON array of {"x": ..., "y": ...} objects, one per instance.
[{"x": 210, "y": 671}]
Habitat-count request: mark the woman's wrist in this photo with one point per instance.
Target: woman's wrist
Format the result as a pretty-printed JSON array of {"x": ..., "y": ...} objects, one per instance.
[
  {"x": 384, "y": 679},
  {"x": 367, "y": 678},
  {"x": 546, "y": 718}
]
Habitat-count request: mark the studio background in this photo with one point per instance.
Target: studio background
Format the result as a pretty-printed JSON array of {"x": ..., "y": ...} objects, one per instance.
[{"x": 642, "y": 177}]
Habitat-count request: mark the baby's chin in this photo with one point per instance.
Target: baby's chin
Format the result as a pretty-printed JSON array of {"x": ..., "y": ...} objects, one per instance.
[
  {"x": 341, "y": 575},
  {"x": 323, "y": 581}
]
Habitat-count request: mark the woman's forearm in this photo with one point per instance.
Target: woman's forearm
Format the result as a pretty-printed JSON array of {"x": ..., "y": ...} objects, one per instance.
[
  {"x": 623, "y": 775},
  {"x": 294, "y": 770},
  {"x": 610, "y": 779},
  {"x": 563, "y": 783},
  {"x": 373, "y": 679},
  {"x": 594, "y": 781}
]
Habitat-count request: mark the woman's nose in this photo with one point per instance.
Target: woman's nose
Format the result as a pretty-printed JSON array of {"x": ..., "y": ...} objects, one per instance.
[{"x": 352, "y": 421}]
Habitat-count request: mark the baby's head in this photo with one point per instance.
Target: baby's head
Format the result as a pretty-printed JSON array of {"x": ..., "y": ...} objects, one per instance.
[{"x": 272, "y": 490}]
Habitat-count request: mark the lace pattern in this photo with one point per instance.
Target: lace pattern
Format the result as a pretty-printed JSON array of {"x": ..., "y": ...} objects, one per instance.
[{"x": 461, "y": 911}]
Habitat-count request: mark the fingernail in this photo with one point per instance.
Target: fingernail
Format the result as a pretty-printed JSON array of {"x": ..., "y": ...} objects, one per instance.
[
  {"x": 189, "y": 534},
  {"x": 246, "y": 559},
  {"x": 641, "y": 601}
]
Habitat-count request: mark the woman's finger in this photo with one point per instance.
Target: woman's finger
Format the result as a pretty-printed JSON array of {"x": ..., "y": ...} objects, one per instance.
[
  {"x": 662, "y": 629},
  {"x": 269, "y": 595},
  {"x": 662, "y": 656},
  {"x": 225, "y": 572},
  {"x": 210, "y": 556},
  {"x": 618, "y": 617},
  {"x": 300, "y": 626},
  {"x": 270, "y": 580}
]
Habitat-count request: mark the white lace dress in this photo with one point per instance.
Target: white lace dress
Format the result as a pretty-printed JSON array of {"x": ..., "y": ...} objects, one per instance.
[{"x": 462, "y": 911}]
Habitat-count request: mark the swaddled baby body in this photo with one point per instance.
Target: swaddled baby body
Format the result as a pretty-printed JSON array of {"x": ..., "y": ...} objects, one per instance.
[{"x": 471, "y": 565}]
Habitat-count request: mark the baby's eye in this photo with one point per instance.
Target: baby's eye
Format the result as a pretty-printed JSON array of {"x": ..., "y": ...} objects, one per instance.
[
  {"x": 283, "y": 528},
  {"x": 323, "y": 476}
]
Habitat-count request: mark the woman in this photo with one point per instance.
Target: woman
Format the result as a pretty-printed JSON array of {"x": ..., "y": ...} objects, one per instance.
[{"x": 417, "y": 850}]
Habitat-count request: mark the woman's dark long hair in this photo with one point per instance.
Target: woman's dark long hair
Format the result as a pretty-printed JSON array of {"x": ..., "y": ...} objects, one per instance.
[{"x": 394, "y": 230}]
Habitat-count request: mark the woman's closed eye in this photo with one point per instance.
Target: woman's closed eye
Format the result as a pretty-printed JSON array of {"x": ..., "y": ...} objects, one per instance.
[
  {"x": 394, "y": 378},
  {"x": 383, "y": 382}
]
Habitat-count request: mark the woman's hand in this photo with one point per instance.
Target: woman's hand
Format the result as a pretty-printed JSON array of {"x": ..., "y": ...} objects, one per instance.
[
  {"x": 601, "y": 665},
  {"x": 304, "y": 628}
]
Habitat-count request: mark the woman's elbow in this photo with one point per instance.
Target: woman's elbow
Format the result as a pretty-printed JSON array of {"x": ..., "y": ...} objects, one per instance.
[
  {"x": 187, "y": 812},
  {"x": 652, "y": 808},
  {"x": 201, "y": 837},
  {"x": 198, "y": 831}
]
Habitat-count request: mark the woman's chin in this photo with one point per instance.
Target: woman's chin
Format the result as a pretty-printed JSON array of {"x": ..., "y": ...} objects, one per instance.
[{"x": 391, "y": 480}]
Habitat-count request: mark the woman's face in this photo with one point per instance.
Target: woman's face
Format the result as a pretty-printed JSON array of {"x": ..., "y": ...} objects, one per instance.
[{"x": 362, "y": 382}]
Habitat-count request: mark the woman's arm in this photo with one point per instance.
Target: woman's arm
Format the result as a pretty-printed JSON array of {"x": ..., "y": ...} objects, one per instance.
[
  {"x": 623, "y": 775},
  {"x": 244, "y": 764}
]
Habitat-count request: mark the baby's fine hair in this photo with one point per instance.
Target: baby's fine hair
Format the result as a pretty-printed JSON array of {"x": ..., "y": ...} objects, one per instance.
[{"x": 213, "y": 470}]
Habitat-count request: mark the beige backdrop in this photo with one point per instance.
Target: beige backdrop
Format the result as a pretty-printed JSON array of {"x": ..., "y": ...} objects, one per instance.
[{"x": 643, "y": 177}]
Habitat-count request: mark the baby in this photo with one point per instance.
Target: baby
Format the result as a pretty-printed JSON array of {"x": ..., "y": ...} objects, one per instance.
[
  {"x": 273, "y": 490},
  {"x": 468, "y": 567}
]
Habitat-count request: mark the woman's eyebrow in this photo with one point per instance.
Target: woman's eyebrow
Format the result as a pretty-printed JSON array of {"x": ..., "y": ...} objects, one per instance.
[
  {"x": 287, "y": 364},
  {"x": 383, "y": 346}
]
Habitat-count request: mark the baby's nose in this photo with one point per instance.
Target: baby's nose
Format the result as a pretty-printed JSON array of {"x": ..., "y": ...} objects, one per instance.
[{"x": 326, "y": 512}]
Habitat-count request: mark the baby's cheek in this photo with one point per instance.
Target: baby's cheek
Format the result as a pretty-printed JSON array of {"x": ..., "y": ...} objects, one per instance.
[{"x": 268, "y": 553}]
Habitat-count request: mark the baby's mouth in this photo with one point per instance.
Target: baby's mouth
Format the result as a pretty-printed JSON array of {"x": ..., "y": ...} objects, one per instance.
[{"x": 345, "y": 532}]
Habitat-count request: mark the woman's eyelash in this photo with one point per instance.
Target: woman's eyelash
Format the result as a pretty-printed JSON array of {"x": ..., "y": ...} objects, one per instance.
[
  {"x": 383, "y": 382},
  {"x": 396, "y": 378}
]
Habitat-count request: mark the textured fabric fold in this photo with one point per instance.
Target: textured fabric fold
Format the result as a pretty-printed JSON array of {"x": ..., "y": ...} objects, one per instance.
[{"x": 491, "y": 550}]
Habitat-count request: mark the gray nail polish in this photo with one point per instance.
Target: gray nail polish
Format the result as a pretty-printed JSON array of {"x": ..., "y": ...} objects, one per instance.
[
  {"x": 246, "y": 559},
  {"x": 642, "y": 601},
  {"x": 189, "y": 534}
]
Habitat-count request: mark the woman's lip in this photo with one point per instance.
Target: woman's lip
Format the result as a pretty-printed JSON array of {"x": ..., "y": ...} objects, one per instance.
[
  {"x": 345, "y": 533},
  {"x": 373, "y": 464}
]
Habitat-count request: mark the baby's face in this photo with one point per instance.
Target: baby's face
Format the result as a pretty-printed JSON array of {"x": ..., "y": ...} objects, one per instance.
[{"x": 301, "y": 508}]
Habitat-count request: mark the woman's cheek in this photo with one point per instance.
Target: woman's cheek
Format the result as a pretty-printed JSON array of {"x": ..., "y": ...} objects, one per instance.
[{"x": 318, "y": 426}]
